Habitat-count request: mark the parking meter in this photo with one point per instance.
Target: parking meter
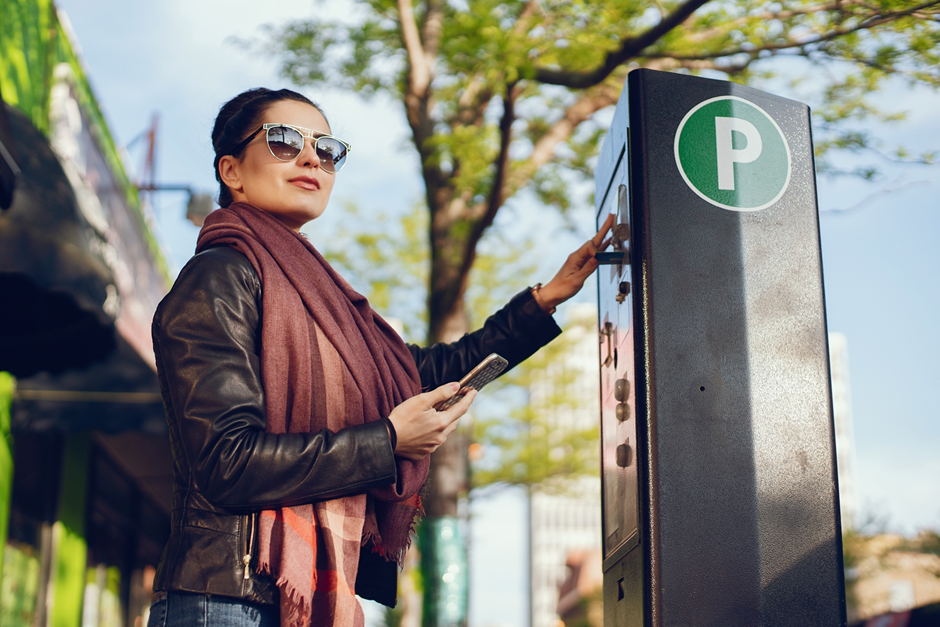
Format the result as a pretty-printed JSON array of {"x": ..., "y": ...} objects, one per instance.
[{"x": 720, "y": 500}]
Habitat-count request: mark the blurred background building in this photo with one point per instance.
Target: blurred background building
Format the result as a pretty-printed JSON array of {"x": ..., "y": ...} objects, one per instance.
[
  {"x": 845, "y": 436},
  {"x": 565, "y": 519},
  {"x": 85, "y": 466}
]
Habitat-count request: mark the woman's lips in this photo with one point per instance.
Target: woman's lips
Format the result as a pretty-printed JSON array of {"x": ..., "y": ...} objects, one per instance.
[{"x": 306, "y": 182}]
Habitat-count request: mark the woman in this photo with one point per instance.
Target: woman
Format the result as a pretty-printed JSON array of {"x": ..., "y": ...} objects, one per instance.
[{"x": 299, "y": 429}]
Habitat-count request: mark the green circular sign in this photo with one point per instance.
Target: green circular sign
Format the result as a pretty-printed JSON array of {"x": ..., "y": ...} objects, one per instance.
[{"x": 733, "y": 154}]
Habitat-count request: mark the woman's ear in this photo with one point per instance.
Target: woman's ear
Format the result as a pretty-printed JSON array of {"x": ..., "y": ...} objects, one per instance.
[{"x": 228, "y": 172}]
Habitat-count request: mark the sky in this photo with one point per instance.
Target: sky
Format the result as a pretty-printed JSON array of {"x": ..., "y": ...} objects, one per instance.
[{"x": 179, "y": 59}]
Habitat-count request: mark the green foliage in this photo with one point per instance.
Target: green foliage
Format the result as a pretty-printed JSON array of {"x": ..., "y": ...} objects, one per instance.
[
  {"x": 32, "y": 43},
  {"x": 25, "y": 66},
  {"x": 482, "y": 47},
  {"x": 542, "y": 442},
  {"x": 502, "y": 268},
  {"x": 853, "y": 548},
  {"x": 384, "y": 257},
  {"x": 855, "y": 541},
  {"x": 7, "y": 388},
  {"x": 523, "y": 443},
  {"x": 19, "y": 585},
  {"x": 392, "y": 616},
  {"x": 364, "y": 57},
  {"x": 590, "y": 606}
]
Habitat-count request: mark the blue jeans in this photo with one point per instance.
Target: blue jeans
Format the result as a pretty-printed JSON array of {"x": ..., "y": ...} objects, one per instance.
[{"x": 183, "y": 609}]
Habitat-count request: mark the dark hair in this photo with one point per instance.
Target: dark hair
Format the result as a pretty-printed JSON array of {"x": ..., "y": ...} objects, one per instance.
[{"x": 241, "y": 116}]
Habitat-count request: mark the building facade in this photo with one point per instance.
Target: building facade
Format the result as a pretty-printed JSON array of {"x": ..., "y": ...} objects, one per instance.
[
  {"x": 566, "y": 517},
  {"x": 845, "y": 435},
  {"x": 85, "y": 467}
]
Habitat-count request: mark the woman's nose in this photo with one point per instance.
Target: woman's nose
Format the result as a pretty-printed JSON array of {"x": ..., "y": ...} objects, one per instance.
[{"x": 308, "y": 156}]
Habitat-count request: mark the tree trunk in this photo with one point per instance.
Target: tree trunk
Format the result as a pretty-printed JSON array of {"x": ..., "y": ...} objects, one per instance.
[
  {"x": 448, "y": 475},
  {"x": 443, "y": 548}
]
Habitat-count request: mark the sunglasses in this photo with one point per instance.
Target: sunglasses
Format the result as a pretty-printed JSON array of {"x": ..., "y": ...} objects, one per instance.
[{"x": 286, "y": 142}]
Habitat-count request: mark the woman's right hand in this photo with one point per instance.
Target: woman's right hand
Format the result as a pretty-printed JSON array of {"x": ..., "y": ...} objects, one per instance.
[{"x": 420, "y": 428}]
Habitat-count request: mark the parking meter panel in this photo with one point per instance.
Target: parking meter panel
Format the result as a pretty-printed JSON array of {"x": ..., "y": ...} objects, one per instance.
[{"x": 618, "y": 426}]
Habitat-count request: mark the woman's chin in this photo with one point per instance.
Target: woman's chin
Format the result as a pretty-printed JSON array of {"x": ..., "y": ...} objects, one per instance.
[
  {"x": 295, "y": 211},
  {"x": 306, "y": 206}
]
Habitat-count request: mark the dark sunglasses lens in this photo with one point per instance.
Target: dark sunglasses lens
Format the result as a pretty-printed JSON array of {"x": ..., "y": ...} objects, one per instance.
[
  {"x": 332, "y": 154},
  {"x": 285, "y": 143}
]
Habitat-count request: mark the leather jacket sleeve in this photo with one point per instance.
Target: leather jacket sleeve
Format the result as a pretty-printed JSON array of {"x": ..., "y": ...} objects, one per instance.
[
  {"x": 515, "y": 332},
  {"x": 206, "y": 337}
]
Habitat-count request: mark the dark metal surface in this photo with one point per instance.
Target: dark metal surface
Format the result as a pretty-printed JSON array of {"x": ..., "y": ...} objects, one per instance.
[{"x": 736, "y": 480}]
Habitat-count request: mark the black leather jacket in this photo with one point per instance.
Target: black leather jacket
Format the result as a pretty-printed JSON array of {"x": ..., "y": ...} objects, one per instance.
[{"x": 206, "y": 337}]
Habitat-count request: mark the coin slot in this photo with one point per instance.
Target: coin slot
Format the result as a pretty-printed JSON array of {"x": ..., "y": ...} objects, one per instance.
[{"x": 611, "y": 353}]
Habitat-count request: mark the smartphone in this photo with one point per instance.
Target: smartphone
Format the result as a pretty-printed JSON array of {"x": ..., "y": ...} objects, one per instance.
[{"x": 483, "y": 373}]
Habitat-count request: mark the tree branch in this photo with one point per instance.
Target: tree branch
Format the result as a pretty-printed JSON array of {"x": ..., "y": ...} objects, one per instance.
[
  {"x": 666, "y": 64},
  {"x": 502, "y": 161},
  {"x": 418, "y": 97},
  {"x": 472, "y": 102},
  {"x": 507, "y": 182},
  {"x": 705, "y": 35},
  {"x": 419, "y": 73},
  {"x": 471, "y": 105},
  {"x": 496, "y": 192},
  {"x": 629, "y": 48},
  {"x": 590, "y": 102},
  {"x": 432, "y": 29},
  {"x": 530, "y": 9},
  {"x": 774, "y": 47}
]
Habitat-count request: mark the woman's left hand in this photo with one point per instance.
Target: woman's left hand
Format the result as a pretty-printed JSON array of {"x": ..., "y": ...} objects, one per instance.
[{"x": 576, "y": 269}]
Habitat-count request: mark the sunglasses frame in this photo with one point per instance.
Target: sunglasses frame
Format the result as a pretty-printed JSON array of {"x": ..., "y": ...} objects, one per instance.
[{"x": 305, "y": 133}]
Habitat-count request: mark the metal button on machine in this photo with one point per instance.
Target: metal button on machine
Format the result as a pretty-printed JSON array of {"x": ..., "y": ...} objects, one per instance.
[
  {"x": 621, "y": 390},
  {"x": 622, "y": 412},
  {"x": 624, "y": 455}
]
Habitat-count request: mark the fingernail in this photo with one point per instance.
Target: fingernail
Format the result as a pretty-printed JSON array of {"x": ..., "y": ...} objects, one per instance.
[{"x": 454, "y": 386}]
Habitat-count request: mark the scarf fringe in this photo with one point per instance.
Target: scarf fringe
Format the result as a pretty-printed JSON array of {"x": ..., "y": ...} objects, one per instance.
[
  {"x": 371, "y": 535},
  {"x": 412, "y": 532},
  {"x": 298, "y": 610}
]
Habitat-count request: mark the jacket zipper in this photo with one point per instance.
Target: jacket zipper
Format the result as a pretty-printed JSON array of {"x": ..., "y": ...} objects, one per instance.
[{"x": 246, "y": 559}]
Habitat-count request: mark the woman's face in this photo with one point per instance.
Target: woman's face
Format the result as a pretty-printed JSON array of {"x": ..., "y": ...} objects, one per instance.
[{"x": 295, "y": 192}]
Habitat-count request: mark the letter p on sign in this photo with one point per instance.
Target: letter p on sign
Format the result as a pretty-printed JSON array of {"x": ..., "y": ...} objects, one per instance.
[
  {"x": 727, "y": 154},
  {"x": 732, "y": 154}
]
